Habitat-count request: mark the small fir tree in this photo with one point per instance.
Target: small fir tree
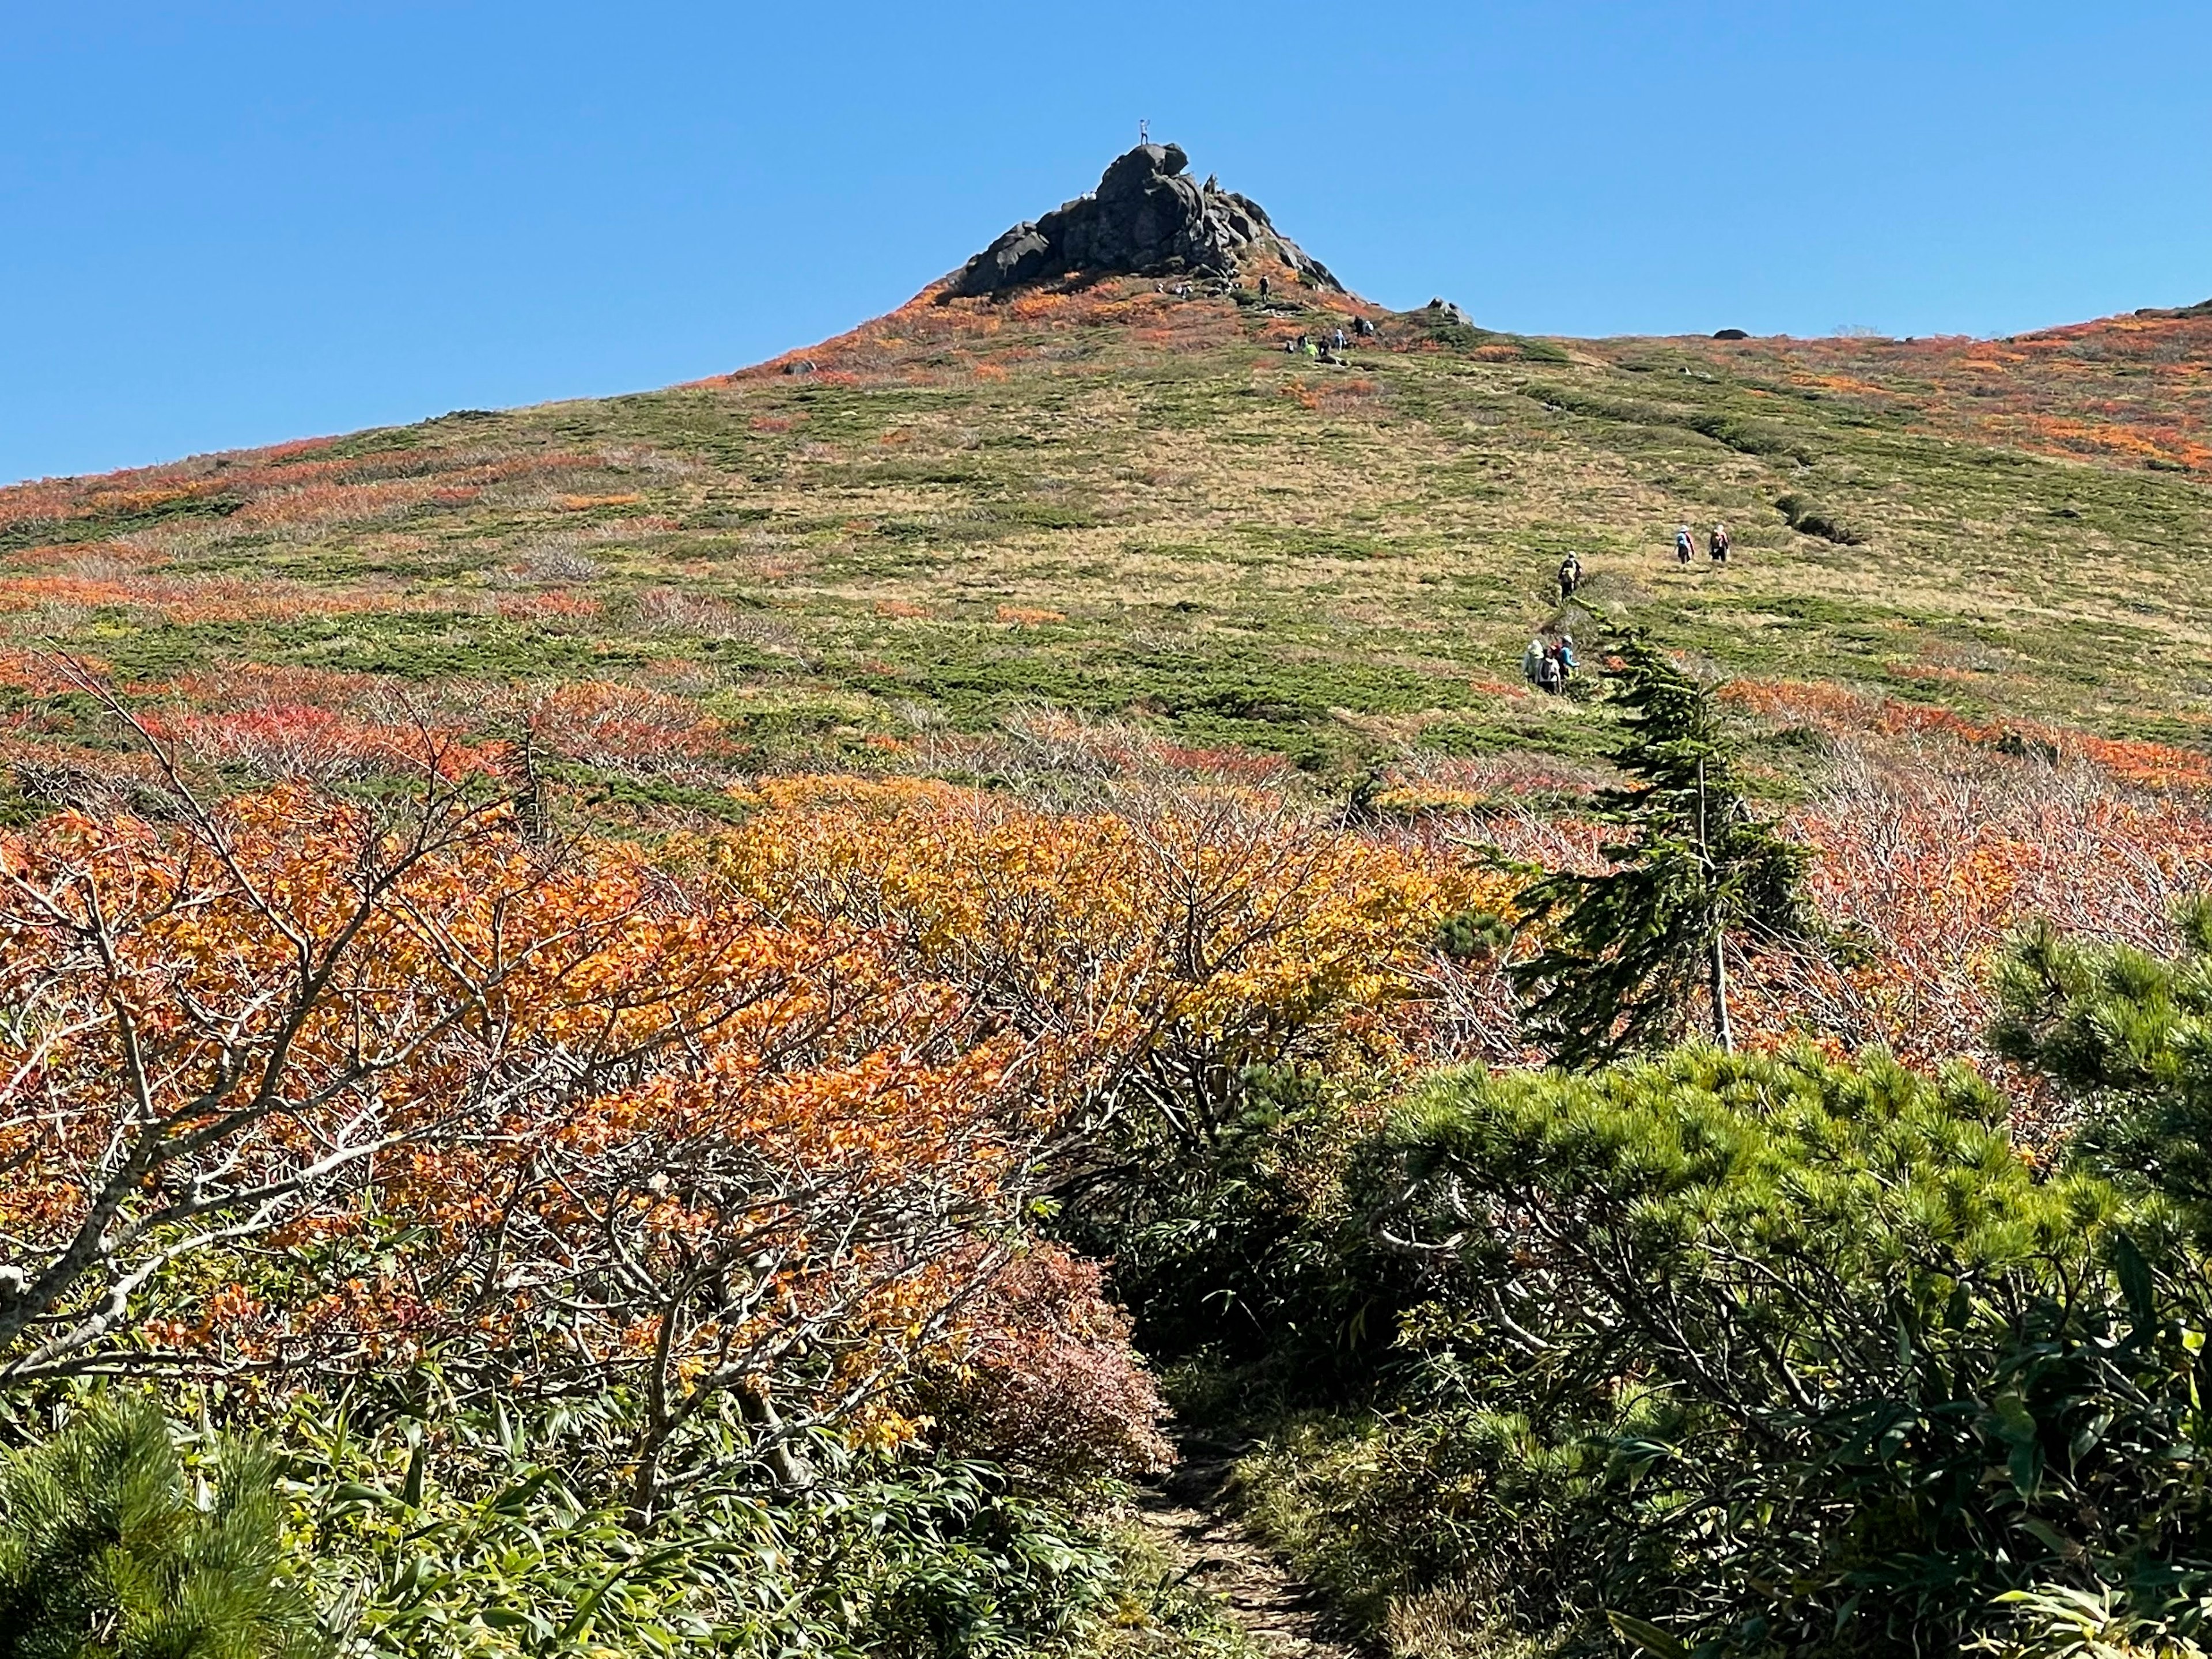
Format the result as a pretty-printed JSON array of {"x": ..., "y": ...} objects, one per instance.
[
  {"x": 1627, "y": 956},
  {"x": 104, "y": 1554}
]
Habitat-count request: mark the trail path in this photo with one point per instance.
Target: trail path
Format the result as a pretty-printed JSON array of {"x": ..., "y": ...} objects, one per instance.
[{"x": 1187, "y": 1517}]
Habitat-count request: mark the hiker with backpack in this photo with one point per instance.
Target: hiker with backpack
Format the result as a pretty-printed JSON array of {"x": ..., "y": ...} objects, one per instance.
[
  {"x": 1717, "y": 545},
  {"x": 1684, "y": 548},
  {"x": 1570, "y": 576},
  {"x": 1532, "y": 661}
]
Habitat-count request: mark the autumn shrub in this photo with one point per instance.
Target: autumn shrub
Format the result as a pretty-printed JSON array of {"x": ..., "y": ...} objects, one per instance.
[
  {"x": 1042, "y": 1377},
  {"x": 1209, "y": 981},
  {"x": 1773, "y": 1353}
]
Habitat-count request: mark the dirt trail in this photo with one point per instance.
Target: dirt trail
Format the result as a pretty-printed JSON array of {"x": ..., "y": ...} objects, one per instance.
[{"x": 1187, "y": 1515}]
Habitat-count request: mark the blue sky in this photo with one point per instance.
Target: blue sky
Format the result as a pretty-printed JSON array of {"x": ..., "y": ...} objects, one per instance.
[{"x": 222, "y": 225}]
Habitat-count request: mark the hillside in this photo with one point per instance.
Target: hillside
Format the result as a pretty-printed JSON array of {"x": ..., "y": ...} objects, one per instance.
[
  {"x": 1102, "y": 497},
  {"x": 945, "y": 997}
]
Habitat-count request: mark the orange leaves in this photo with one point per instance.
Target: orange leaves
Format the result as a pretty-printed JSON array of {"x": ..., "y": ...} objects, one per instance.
[
  {"x": 187, "y": 600},
  {"x": 2125, "y": 391},
  {"x": 1839, "y": 711},
  {"x": 309, "y": 740},
  {"x": 1933, "y": 862},
  {"x": 627, "y": 726},
  {"x": 769, "y": 1105},
  {"x": 1223, "y": 919}
]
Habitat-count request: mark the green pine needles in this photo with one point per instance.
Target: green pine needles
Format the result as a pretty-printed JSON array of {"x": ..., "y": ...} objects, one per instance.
[
  {"x": 1628, "y": 957},
  {"x": 106, "y": 1554},
  {"x": 2128, "y": 1035}
]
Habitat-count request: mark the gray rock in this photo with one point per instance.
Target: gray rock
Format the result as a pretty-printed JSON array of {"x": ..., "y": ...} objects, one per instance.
[
  {"x": 1445, "y": 310},
  {"x": 1147, "y": 217}
]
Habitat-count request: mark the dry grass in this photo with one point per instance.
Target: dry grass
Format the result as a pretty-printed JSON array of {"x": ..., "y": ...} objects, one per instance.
[{"x": 1116, "y": 502}]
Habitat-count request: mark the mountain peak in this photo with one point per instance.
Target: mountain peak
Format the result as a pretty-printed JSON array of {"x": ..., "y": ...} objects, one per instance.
[{"x": 1146, "y": 218}]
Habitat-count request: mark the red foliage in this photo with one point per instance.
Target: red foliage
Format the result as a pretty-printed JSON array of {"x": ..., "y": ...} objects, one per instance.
[{"x": 1047, "y": 1377}]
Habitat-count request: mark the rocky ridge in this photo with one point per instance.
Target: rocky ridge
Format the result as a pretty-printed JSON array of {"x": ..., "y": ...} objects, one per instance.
[{"x": 1146, "y": 218}]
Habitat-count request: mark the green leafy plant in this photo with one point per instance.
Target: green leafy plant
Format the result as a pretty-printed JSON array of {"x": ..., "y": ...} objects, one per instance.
[{"x": 1775, "y": 1353}]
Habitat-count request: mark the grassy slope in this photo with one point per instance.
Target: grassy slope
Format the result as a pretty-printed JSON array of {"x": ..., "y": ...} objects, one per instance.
[{"x": 1116, "y": 501}]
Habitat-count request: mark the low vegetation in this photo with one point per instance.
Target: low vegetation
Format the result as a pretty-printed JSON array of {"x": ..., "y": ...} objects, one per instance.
[{"x": 671, "y": 1025}]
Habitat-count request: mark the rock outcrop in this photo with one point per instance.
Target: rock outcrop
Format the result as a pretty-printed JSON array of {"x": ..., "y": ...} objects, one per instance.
[{"x": 1147, "y": 218}]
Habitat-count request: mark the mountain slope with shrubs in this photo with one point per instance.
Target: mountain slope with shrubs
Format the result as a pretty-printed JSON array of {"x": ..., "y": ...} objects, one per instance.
[{"x": 702, "y": 1022}]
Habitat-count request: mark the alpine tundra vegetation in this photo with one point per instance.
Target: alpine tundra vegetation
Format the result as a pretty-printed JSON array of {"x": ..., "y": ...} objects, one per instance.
[{"x": 944, "y": 997}]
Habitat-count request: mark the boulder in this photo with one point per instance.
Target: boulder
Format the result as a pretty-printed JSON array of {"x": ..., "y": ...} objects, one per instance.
[
  {"x": 1444, "y": 311},
  {"x": 1147, "y": 217}
]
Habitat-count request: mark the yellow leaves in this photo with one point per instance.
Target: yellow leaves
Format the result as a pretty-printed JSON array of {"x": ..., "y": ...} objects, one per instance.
[{"x": 867, "y": 1005}]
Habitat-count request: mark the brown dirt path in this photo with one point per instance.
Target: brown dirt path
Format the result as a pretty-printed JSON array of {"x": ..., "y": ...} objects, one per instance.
[{"x": 1189, "y": 1517}]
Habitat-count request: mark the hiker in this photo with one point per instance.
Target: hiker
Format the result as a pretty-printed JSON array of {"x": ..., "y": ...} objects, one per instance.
[
  {"x": 1567, "y": 664},
  {"x": 1718, "y": 545},
  {"x": 1291, "y": 347},
  {"x": 1337, "y": 340},
  {"x": 1263, "y": 290},
  {"x": 1570, "y": 576},
  {"x": 1684, "y": 547},
  {"x": 1547, "y": 672},
  {"x": 1312, "y": 350},
  {"x": 1364, "y": 329},
  {"x": 1532, "y": 661}
]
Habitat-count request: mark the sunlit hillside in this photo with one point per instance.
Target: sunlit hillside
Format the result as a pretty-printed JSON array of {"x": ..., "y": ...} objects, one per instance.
[
  {"x": 1121, "y": 502},
  {"x": 949, "y": 997}
]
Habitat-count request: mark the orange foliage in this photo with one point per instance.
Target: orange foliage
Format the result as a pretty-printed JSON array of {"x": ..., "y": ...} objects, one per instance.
[
  {"x": 210, "y": 599},
  {"x": 761, "y": 1115},
  {"x": 307, "y": 740},
  {"x": 625, "y": 726},
  {"x": 1841, "y": 712}
]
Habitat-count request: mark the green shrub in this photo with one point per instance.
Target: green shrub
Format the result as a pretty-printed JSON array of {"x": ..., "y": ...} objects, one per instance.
[
  {"x": 1776, "y": 1353},
  {"x": 2129, "y": 1037},
  {"x": 105, "y": 1553}
]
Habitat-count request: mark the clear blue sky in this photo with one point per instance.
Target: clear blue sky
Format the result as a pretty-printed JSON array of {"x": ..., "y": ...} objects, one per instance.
[{"x": 228, "y": 224}]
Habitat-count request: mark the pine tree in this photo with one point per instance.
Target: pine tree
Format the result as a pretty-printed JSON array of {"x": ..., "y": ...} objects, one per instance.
[
  {"x": 104, "y": 1555},
  {"x": 2127, "y": 1036},
  {"x": 1628, "y": 955}
]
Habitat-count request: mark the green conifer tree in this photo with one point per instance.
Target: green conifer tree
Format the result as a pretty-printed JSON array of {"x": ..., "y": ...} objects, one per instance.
[
  {"x": 1627, "y": 956},
  {"x": 104, "y": 1554}
]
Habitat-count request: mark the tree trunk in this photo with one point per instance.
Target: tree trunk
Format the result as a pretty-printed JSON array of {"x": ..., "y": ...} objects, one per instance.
[
  {"x": 1716, "y": 977},
  {"x": 787, "y": 1466},
  {"x": 1722, "y": 1033}
]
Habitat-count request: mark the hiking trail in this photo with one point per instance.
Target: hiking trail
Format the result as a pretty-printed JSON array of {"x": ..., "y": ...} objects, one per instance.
[{"x": 1187, "y": 1517}]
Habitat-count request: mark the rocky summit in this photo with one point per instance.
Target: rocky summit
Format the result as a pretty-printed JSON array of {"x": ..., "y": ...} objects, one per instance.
[{"x": 1146, "y": 218}]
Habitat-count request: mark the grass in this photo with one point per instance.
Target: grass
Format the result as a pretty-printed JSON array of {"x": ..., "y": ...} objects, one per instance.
[{"x": 1134, "y": 506}]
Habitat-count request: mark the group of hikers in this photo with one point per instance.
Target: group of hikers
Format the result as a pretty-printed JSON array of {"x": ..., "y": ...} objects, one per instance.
[
  {"x": 1686, "y": 549},
  {"x": 1330, "y": 347},
  {"x": 1686, "y": 546},
  {"x": 1549, "y": 662}
]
